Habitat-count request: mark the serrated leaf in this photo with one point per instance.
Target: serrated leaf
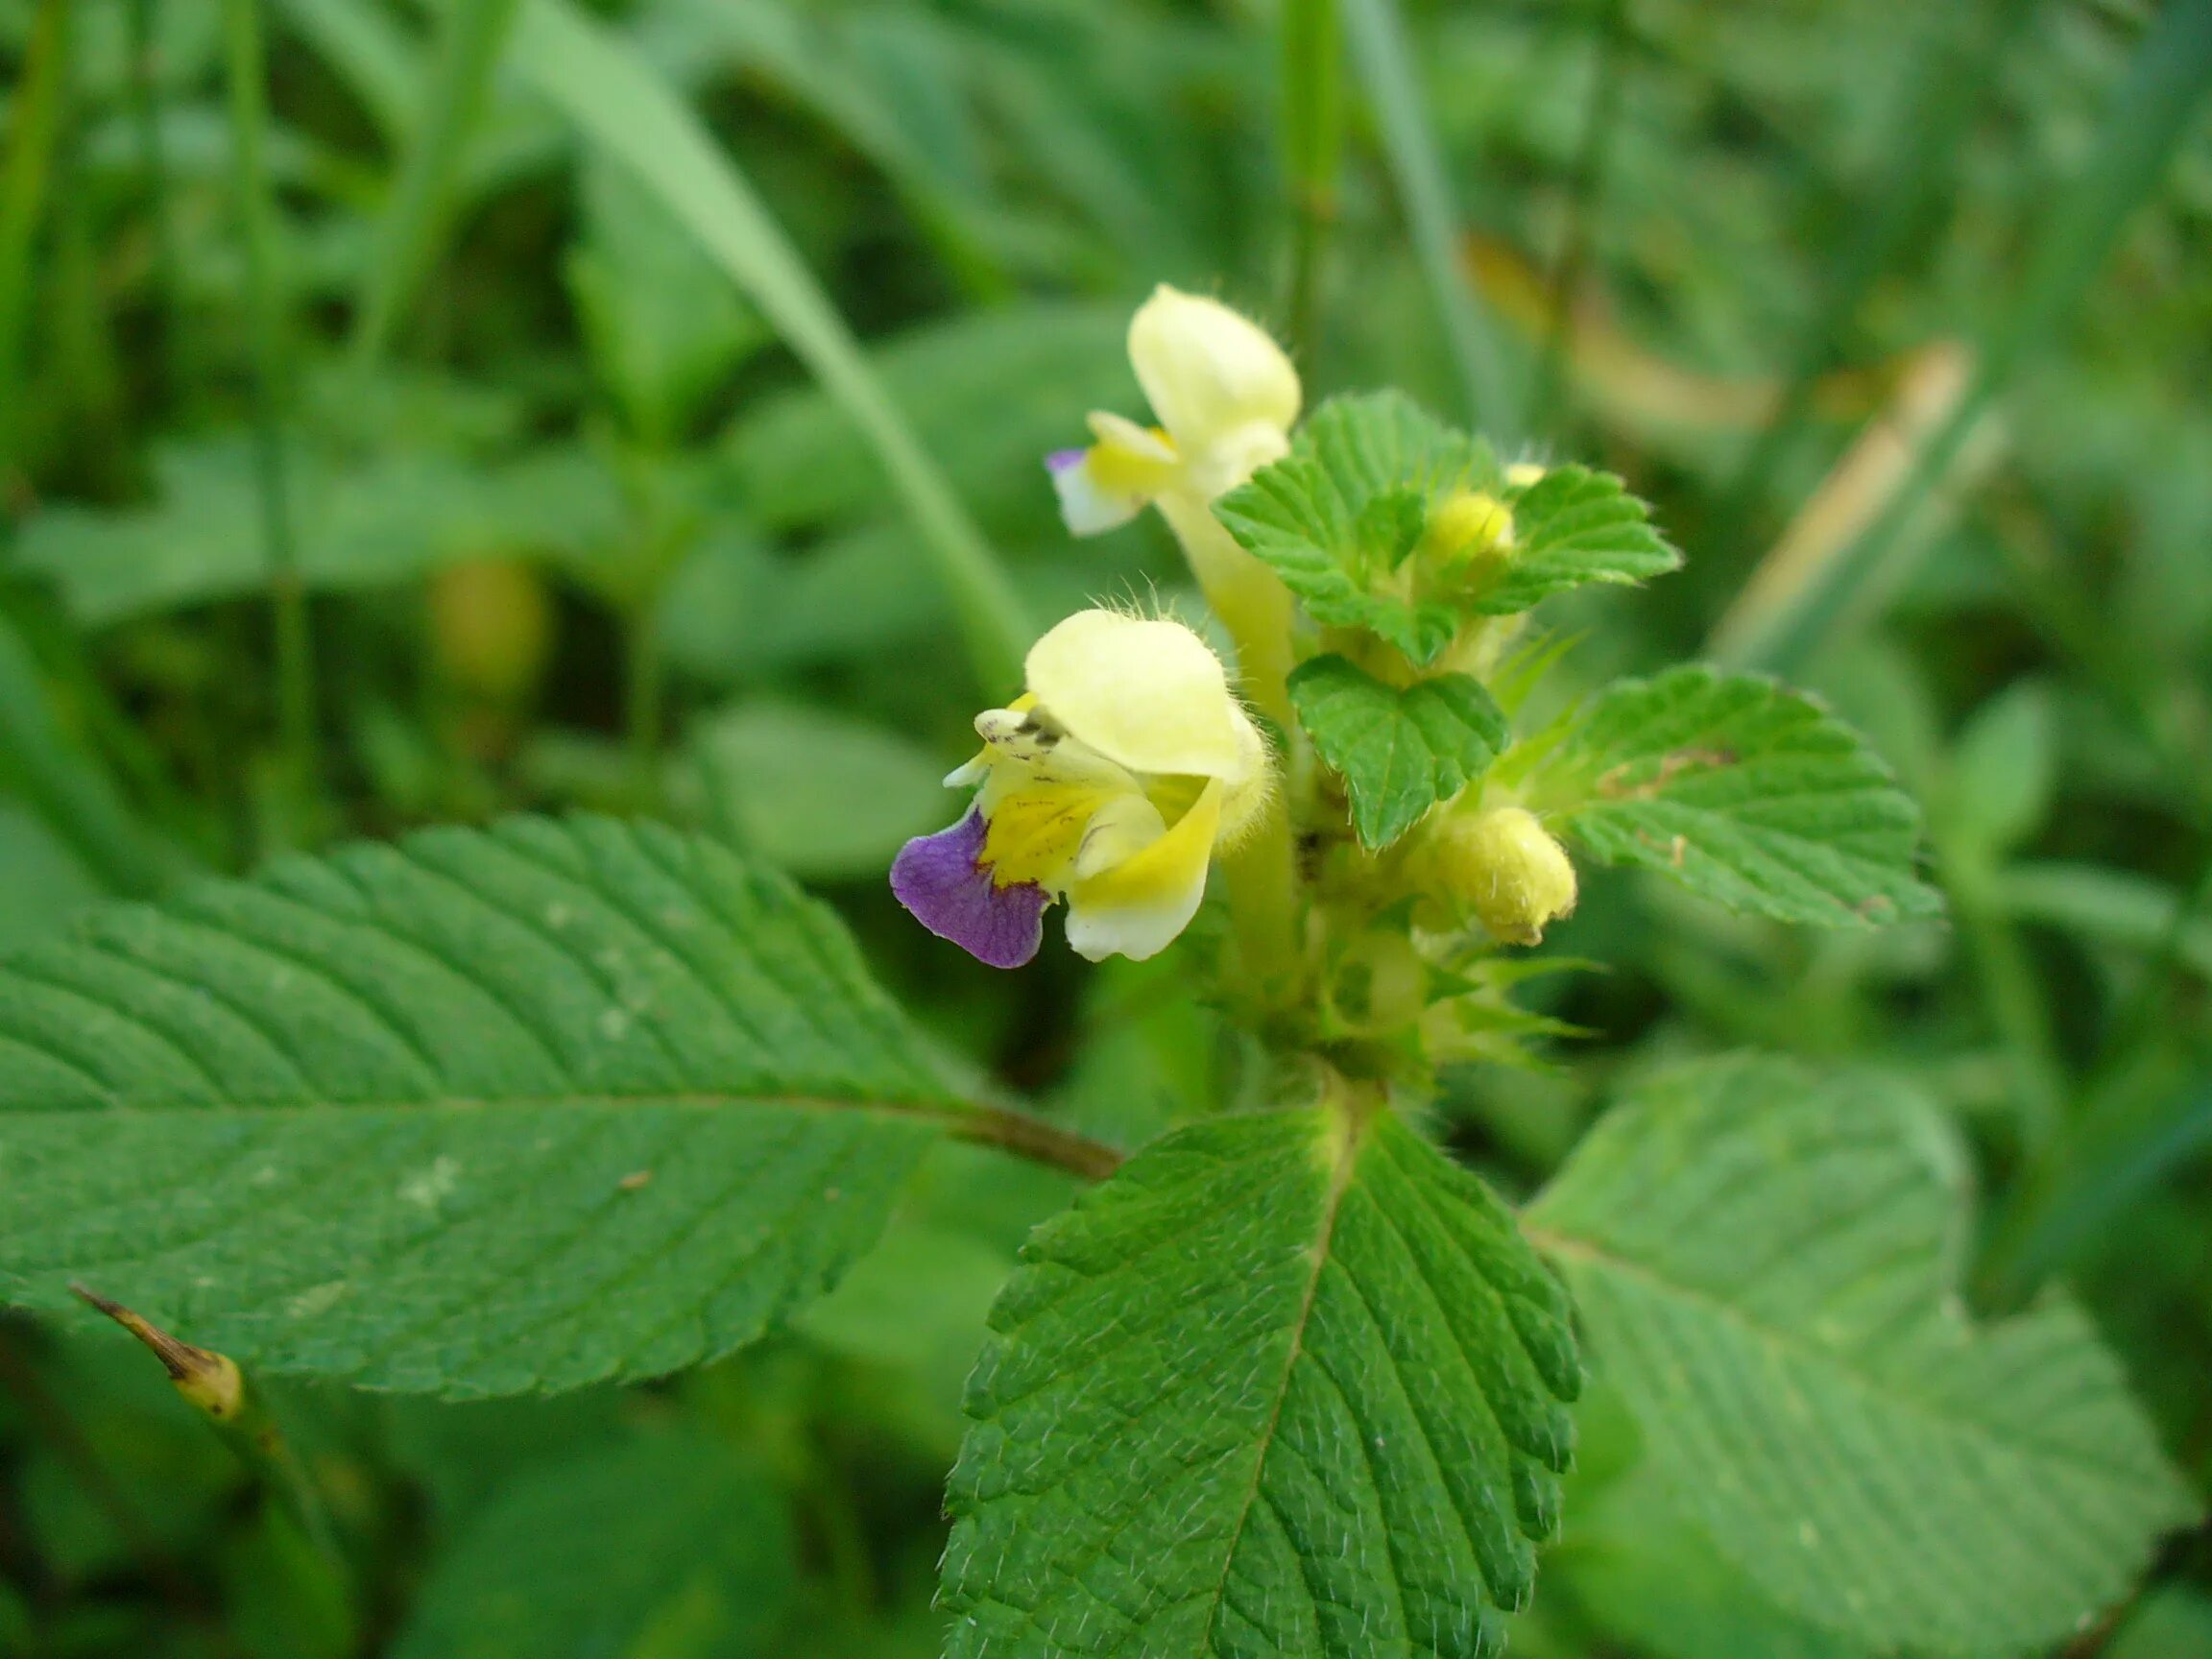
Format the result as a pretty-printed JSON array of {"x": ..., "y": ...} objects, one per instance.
[
  {"x": 1743, "y": 790},
  {"x": 1337, "y": 516},
  {"x": 700, "y": 1565},
  {"x": 1400, "y": 751},
  {"x": 1575, "y": 526},
  {"x": 1333, "y": 517},
  {"x": 1766, "y": 1264},
  {"x": 1275, "y": 1389},
  {"x": 474, "y": 1113}
]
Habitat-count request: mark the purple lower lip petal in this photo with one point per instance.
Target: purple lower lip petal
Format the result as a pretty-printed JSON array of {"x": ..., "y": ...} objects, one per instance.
[
  {"x": 1063, "y": 460},
  {"x": 942, "y": 881}
]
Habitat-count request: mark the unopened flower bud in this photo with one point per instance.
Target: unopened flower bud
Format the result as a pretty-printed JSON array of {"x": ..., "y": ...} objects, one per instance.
[
  {"x": 1472, "y": 528},
  {"x": 1506, "y": 867}
]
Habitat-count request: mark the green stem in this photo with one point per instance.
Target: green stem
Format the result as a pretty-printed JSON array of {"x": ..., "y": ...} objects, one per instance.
[
  {"x": 1036, "y": 1139},
  {"x": 469, "y": 36},
  {"x": 287, "y": 591},
  {"x": 1262, "y": 874},
  {"x": 1312, "y": 146},
  {"x": 37, "y": 118},
  {"x": 153, "y": 177},
  {"x": 213, "y": 1384}
]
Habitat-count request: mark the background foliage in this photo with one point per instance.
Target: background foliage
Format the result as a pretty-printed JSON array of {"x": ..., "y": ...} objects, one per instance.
[{"x": 414, "y": 414}]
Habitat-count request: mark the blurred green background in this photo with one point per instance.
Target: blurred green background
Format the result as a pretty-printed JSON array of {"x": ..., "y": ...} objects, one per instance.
[{"x": 413, "y": 412}]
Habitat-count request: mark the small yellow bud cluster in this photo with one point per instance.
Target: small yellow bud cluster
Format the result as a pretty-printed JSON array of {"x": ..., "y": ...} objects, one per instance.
[
  {"x": 1470, "y": 533},
  {"x": 1470, "y": 529},
  {"x": 1506, "y": 868}
]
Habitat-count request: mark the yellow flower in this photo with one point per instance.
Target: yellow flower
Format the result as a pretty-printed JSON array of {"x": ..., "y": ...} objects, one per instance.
[
  {"x": 1225, "y": 398},
  {"x": 1110, "y": 784}
]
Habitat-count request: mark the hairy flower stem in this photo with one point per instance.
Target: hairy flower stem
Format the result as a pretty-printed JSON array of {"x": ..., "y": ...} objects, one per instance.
[{"x": 1262, "y": 876}]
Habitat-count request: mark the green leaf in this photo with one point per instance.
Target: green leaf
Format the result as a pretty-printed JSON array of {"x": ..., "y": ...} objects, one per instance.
[
  {"x": 1330, "y": 518},
  {"x": 1650, "y": 1581},
  {"x": 1766, "y": 1263},
  {"x": 2172, "y": 1623},
  {"x": 1571, "y": 527},
  {"x": 820, "y": 795},
  {"x": 663, "y": 327},
  {"x": 475, "y": 1112},
  {"x": 1744, "y": 791},
  {"x": 989, "y": 392},
  {"x": 1400, "y": 752},
  {"x": 2105, "y": 906},
  {"x": 44, "y": 763},
  {"x": 2003, "y": 771},
  {"x": 1338, "y": 517},
  {"x": 42, "y": 884},
  {"x": 701, "y": 1565},
  {"x": 1277, "y": 1387},
  {"x": 384, "y": 519}
]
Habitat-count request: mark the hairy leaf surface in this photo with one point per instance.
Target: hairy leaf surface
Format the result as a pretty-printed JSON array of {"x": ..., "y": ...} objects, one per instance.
[
  {"x": 1400, "y": 751},
  {"x": 1745, "y": 791},
  {"x": 474, "y": 1113},
  {"x": 1766, "y": 1264},
  {"x": 1274, "y": 1389},
  {"x": 1338, "y": 517}
]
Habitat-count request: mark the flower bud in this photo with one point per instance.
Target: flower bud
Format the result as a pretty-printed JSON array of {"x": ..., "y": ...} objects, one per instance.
[
  {"x": 491, "y": 627},
  {"x": 1472, "y": 528},
  {"x": 1505, "y": 866}
]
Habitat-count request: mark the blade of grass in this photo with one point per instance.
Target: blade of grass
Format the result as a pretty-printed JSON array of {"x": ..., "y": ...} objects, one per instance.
[
  {"x": 1588, "y": 185},
  {"x": 34, "y": 119},
  {"x": 368, "y": 53},
  {"x": 2083, "y": 1193},
  {"x": 470, "y": 34},
  {"x": 1860, "y": 487},
  {"x": 601, "y": 84},
  {"x": 1379, "y": 47},
  {"x": 257, "y": 217},
  {"x": 1312, "y": 149},
  {"x": 1949, "y": 86},
  {"x": 154, "y": 180},
  {"x": 2147, "y": 118}
]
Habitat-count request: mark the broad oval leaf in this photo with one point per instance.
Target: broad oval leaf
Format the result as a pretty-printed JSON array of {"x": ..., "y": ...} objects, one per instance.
[
  {"x": 1279, "y": 1386},
  {"x": 1745, "y": 791},
  {"x": 1766, "y": 1263},
  {"x": 474, "y": 1113}
]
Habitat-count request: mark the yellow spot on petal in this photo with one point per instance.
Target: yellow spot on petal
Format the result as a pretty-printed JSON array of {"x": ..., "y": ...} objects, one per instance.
[{"x": 1034, "y": 830}]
